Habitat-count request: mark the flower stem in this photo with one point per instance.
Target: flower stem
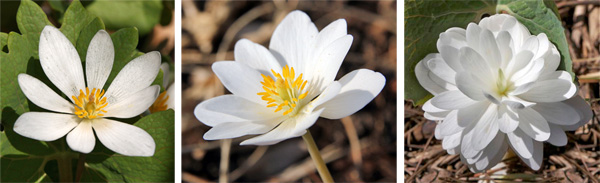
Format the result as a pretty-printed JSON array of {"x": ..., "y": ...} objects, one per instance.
[
  {"x": 65, "y": 172},
  {"x": 313, "y": 150},
  {"x": 80, "y": 167}
]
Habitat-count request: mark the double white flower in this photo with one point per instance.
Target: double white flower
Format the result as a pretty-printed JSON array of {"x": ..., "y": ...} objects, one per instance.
[
  {"x": 496, "y": 86},
  {"x": 129, "y": 95},
  {"x": 281, "y": 91}
]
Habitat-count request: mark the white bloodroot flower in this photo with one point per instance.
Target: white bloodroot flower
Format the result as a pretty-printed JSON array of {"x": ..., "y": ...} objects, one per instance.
[
  {"x": 129, "y": 95},
  {"x": 165, "y": 99},
  {"x": 496, "y": 86},
  {"x": 281, "y": 91}
]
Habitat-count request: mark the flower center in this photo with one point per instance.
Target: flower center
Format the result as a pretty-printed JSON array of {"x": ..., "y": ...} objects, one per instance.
[
  {"x": 90, "y": 105},
  {"x": 503, "y": 85},
  {"x": 284, "y": 92},
  {"x": 160, "y": 104}
]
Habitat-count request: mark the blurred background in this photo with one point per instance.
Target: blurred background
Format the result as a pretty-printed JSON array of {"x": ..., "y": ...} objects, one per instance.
[
  {"x": 358, "y": 148},
  {"x": 578, "y": 161}
]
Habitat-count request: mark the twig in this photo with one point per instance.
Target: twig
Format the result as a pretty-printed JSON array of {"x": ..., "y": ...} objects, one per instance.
[
  {"x": 251, "y": 161},
  {"x": 224, "y": 165},
  {"x": 564, "y": 4}
]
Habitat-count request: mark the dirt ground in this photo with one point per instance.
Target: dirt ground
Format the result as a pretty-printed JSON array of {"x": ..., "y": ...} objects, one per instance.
[
  {"x": 361, "y": 147},
  {"x": 579, "y": 161}
]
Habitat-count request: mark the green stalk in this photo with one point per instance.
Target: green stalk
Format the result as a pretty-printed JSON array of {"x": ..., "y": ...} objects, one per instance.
[{"x": 313, "y": 150}]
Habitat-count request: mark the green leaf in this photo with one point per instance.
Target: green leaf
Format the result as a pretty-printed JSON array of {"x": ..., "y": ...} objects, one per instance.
[
  {"x": 75, "y": 19},
  {"x": 125, "y": 42},
  {"x": 541, "y": 17},
  {"x": 425, "y": 20},
  {"x": 158, "y": 168},
  {"x": 86, "y": 35},
  {"x": 3, "y": 40},
  {"x": 123, "y": 14}
]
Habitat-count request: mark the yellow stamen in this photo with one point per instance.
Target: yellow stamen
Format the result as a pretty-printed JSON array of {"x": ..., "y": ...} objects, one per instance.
[
  {"x": 160, "y": 104},
  {"x": 89, "y": 105},
  {"x": 283, "y": 91}
]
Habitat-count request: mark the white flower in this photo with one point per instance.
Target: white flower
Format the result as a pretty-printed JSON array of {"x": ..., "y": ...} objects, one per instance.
[
  {"x": 281, "y": 91},
  {"x": 129, "y": 95},
  {"x": 165, "y": 100},
  {"x": 496, "y": 86}
]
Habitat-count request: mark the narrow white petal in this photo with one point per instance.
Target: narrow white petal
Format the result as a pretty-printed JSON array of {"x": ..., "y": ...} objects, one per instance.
[
  {"x": 554, "y": 90},
  {"x": 328, "y": 62},
  {"x": 496, "y": 146},
  {"x": 472, "y": 35},
  {"x": 358, "y": 88},
  {"x": 521, "y": 143},
  {"x": 535, "y": 162},
  {"x": 41, "y": 95},
  {"x": 486, "y": 128},
  {"x": 60, "y": 61},
  {"x": 331, "y": 33},
  {"x": 133, "y": 104},
  {"x": 521, "y": 62},
  {"x": 467, "y": 149},
  {"x": 442, "y": 70},
  {"x": 451, "y": 100},
  {"x": 470, "y": 115},
  {"x": 256, "y": 56},
  {"x": 469, "y": 86},
  {"x": 137, "y": 75},
  {"x": 584, "y": 110},
  {"x": 231, "y": 108},
  {"x": 504, "y": 41},
  {"x": 451, "y": 141},
  {"x": 534, "y": 124},
  {"x": 45, "y": 126},
  {"x": 293, "y": 40},
  {"x": 238, "y": 129},
  {"x": 124, "y": 138},
  {"x": 171, "y": 94},
  {"x": 165, "y": 69},
  {"x": 285, "y": 130},
  {"x": 426, "y": 78},
  {"x": 240, "y": 79},
  {"x": 449, "y": 125},
  {"x": 99, "y": 59},
  {"x": 81, "y": 138},
  {"x": 558, "y": 113},
  {"x": 507, "y": 122},
  {"x": 474, "y": 63},
  {"x": 489, "y": 47},
  {"x": 557, "y": 136}
]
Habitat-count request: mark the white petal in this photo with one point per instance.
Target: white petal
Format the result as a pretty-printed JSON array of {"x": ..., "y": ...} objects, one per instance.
[
  {"x": 504, "y": 46},
  {"x": 521, "y": 143},
  {"x": 448, "y": 45},
  {"x": 165, "y": 69},
  {"x": 332, "y": 32},
  {"x": 474, "y": 63},
  {"x": 293, "y": 39},
  {"x": 489, "y": 48},
  {"x": 285, "y": 130},
  {"x": 358, "y": 88},
  {"x": 557, "y": 136},
  {"x": 496, "y": 146},
  {"x": 81, "y": 138},
  {"x": 584, "y": 110},
  {"x": 472, "y": 35},
  {"x": 137, "y": 75},
  {"x": 328, "y": 63},
  {"x": 41, "y": 95},
  {"x": 45, "y": 126},
  {"x": 520, "y": 62},
  {"x": 256, "y": 56},
  {"x": 231, "y": 108},
  {"x": 99, "y": 60},
  {"x": 508, "y": 121},
  {"x": 426, "y": 78},
  {"x": 466, "y": 83},
  {"x": 238, "y": 129},
  {"x": 451, "y": 100},
  {"x": 124, "y": 138},
  {"x": 471, "y": 114},
  {"x": 558, "y": 113},
  {"x": 535, "y": 161},
  {"x": 552, "y": 60},
  {"x": 171, "y": 95},
  {"x": 554, "y": 90},
  {"x": 534, "y": 124},
  {"x": 486, "y": 128},
  {"x": 450, "y": 125},
  {"x": 442, "y": 70},
  {"x": 451, "y": 141},
  {"x": 466, "y": 148},
  {"x": 134, "y": 104},
  {"x": 60, "y": 61},
  {"x": 240, "y": 79}
]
